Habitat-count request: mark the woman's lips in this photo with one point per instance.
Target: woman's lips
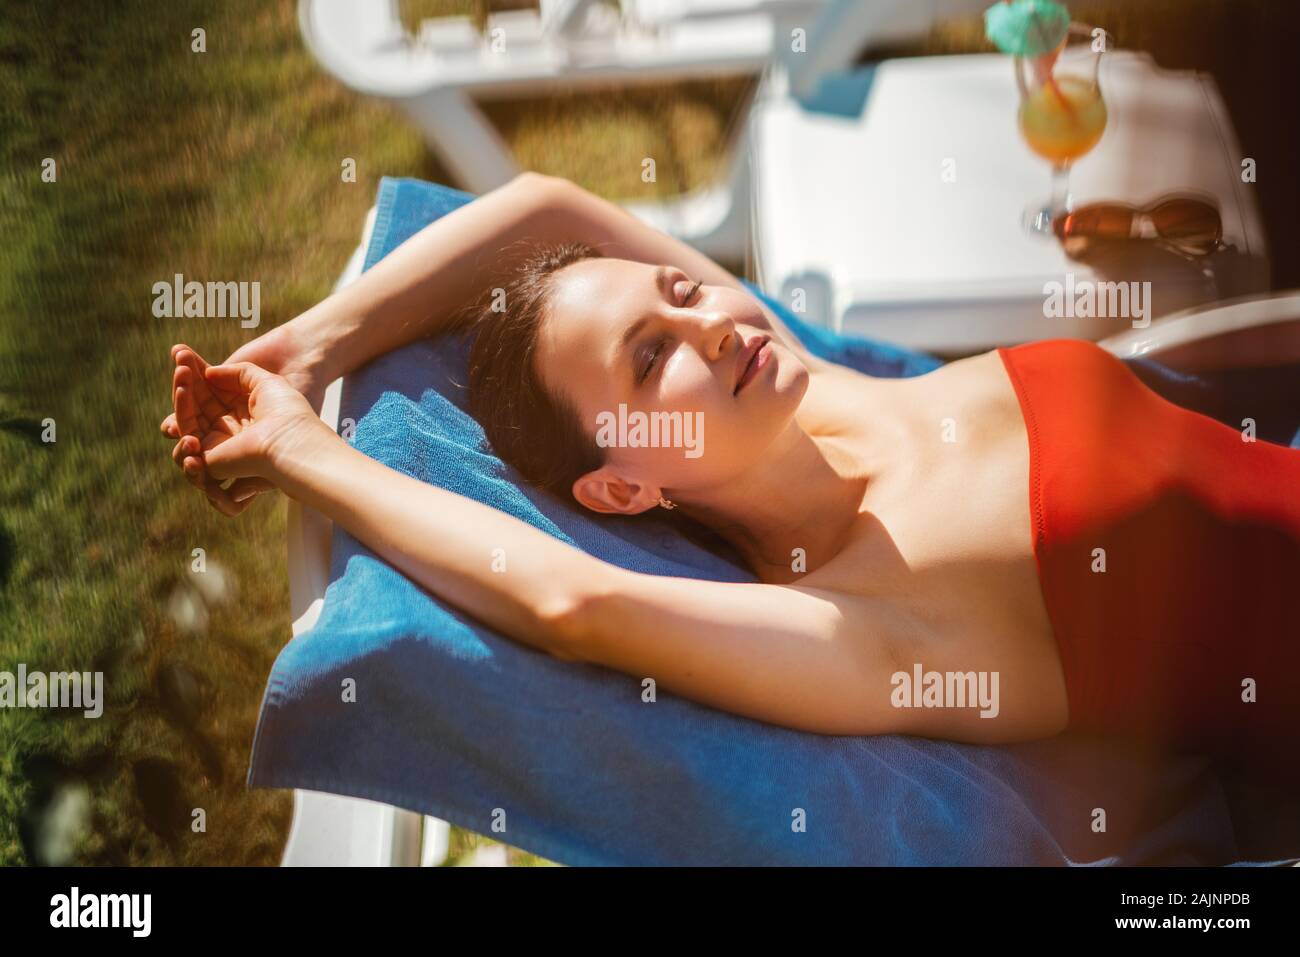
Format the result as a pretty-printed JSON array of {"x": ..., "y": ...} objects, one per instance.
[{"x": 756, "y": 356}]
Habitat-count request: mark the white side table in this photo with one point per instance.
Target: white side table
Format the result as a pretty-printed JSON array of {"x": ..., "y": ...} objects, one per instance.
[{"x": 857, "y": 210}]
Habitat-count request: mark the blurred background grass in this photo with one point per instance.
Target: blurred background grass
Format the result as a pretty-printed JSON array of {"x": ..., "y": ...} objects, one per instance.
[{"x": 226, "y": 165}]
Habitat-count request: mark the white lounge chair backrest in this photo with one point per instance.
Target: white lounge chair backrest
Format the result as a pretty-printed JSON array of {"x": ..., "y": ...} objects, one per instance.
[
  {"x": 435, "y": 75},
  {"x": 565, "y": 18}
]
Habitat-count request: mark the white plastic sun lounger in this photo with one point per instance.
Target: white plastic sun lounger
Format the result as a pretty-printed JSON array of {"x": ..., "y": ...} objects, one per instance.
[{"x": 436, "y": 75}]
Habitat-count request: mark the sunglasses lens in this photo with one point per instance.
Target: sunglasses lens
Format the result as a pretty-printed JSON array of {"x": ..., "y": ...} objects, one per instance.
[
  {"x": 1105, "y": 220},
  {"x": 1188, "y": 221}
]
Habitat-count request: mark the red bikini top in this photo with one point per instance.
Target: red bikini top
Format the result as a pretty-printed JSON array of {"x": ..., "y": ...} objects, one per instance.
[{"x": 1168, "y": 551}]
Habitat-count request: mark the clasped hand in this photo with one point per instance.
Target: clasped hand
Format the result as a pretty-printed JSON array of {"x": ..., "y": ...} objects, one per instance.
[{"x": 230, "y": 422}]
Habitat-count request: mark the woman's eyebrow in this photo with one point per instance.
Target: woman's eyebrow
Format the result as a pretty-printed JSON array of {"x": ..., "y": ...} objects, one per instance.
[{"x": 630, "y": 333}]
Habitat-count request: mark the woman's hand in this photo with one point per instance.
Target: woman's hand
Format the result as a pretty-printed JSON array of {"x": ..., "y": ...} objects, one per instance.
[
  {"x": 248, "y": 420},
  {"x": 286, "y": 350},
  {"x": 282, "y": 351}
]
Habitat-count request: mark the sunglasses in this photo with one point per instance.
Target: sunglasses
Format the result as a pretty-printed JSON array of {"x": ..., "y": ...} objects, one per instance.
[{"x": 1185, "y": 225}]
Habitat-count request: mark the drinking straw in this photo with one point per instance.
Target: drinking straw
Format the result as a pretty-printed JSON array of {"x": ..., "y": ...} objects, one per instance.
[
  {"x": 1033, "y": 30},
  {"x": 1043, "y": 66}
]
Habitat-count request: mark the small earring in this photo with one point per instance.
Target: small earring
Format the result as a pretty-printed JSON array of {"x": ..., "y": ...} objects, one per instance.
[{"x": 666, "y": 503}]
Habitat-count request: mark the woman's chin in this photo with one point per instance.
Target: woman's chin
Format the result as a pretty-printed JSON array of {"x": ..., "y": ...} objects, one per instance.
[{"x": 791, "y": 381}]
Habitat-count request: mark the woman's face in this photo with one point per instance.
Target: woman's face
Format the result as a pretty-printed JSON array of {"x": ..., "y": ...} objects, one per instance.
[{"x": 646, "y": 356}]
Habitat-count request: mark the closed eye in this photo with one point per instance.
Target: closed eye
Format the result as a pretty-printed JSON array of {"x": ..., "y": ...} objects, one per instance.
[
  {"x": 652, "y": 358},
  {"x": 648, "y": 364}
]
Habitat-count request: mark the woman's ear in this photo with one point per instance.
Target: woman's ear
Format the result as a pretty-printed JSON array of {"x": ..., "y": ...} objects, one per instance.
[{"x": 603, "y": 490}]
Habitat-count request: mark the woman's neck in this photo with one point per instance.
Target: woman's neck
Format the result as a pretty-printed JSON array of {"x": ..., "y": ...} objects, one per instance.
[{"x": 793, "y": 510}]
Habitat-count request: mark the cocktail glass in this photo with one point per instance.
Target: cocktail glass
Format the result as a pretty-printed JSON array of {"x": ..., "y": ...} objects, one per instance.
[{"x": 1062, "y": 112}]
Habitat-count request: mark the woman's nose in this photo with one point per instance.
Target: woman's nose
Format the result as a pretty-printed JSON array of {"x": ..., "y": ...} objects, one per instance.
[{"x": 717, "y": 329}]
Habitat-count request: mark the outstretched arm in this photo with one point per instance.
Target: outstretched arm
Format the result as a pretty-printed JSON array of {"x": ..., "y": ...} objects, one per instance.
[
  {"x": 420, "y": 288},
  {"x": 789, "y": 656},
  {"x": 442, "y": 541},
  {"x": 796, "y": 657}
]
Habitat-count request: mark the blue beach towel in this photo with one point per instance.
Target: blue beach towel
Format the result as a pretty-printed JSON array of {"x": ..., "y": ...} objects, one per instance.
[{"x": 566, "y": 760}]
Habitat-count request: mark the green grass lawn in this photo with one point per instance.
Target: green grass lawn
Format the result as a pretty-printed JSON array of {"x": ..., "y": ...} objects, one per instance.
[{"x": 217, "y": 165}]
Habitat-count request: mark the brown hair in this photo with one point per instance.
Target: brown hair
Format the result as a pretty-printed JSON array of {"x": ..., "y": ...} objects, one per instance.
[{"x": 530, "y": 427}]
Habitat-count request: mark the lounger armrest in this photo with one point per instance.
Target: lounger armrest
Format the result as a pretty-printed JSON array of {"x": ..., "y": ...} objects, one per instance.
[{"x": 1259, "y": 331}]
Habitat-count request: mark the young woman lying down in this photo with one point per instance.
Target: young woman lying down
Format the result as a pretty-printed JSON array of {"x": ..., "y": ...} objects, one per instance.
[{"x": 1033, "y": 521}]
